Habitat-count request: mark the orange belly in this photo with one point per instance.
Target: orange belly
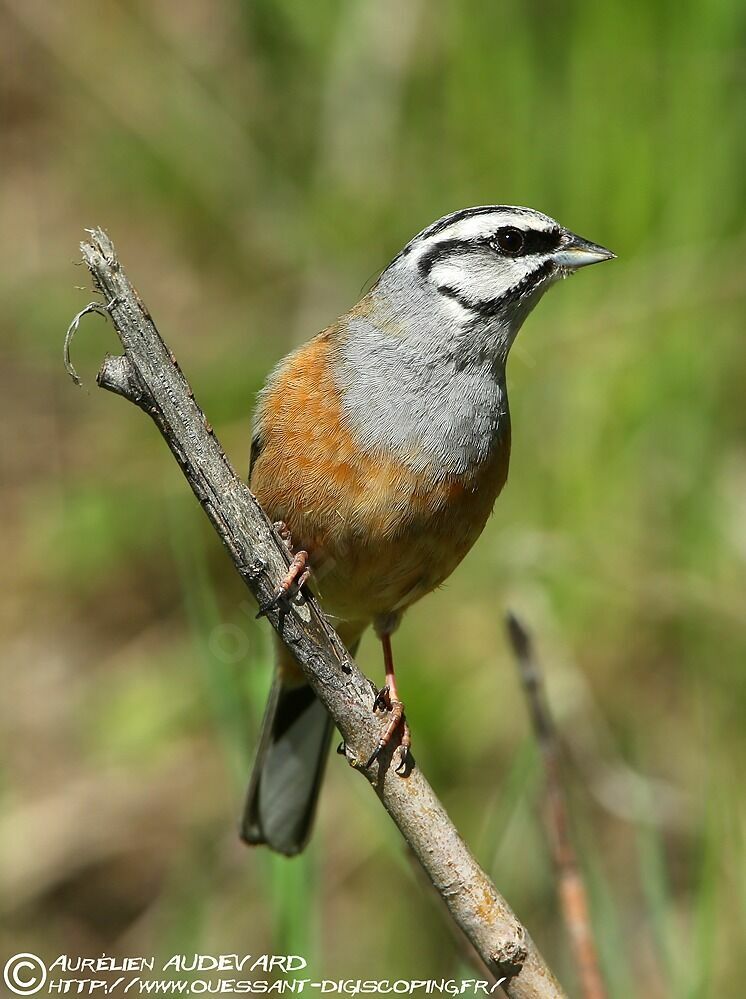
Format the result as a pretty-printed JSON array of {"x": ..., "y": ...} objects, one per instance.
[{"x": 379, "y": 534}]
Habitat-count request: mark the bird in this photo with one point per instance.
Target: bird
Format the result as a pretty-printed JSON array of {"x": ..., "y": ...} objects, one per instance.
[{"x": 378, "y": 449}]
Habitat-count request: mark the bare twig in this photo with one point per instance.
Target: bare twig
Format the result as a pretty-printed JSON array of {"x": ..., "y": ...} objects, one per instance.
[
  {"x": 149, "y": 376},
  {"x": 72, "y": 329},
  {"x": 464, "y": 951},
  {"x": 573, "y": 897}
]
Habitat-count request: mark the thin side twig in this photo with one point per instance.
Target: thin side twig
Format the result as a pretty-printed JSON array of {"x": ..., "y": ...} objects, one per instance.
[
  {"x": 571, "y": 887},
  {"x": 148, "y": 375},
  {"x": 72, "y": 329}
]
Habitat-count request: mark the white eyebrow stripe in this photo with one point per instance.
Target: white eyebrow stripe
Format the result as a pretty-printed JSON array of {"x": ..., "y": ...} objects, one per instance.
[{"x": 483, "y": 226}]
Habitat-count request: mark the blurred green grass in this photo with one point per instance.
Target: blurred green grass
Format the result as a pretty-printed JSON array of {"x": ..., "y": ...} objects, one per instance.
[{"x": 256, "y": 163}]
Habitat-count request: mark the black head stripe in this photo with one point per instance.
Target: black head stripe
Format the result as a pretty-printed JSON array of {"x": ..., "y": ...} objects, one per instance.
[
  {"x": 446, "y": 248},
  {"x": 539, "y": 241},
  {"x": 535, "y": 242},
  {"x": 489, "y": 307},
  {"x": 468, "y": 213}
]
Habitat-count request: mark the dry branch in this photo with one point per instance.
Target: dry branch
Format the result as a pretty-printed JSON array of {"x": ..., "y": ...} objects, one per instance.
[
  {"x": 149, "y": 376},
  {"x": 572, "y": 893}
]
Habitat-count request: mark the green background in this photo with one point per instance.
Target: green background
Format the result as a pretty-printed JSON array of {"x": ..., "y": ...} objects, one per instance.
[{"x": 256, "y": 164}]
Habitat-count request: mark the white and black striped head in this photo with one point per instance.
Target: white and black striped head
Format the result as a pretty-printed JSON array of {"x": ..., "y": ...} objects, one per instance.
[
  {"x": 492, "y": 263},
  {"x": 421, "y": 369}
]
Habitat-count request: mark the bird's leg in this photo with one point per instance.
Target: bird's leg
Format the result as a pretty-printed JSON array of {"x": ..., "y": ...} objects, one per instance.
[
  {"x": 297, "y": 574},
  {"x": 388, "y": 698},
  {"x": 299, "y": 569}
]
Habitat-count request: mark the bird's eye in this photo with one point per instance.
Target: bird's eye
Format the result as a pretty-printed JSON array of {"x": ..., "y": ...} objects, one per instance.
[{"x": 509, "y": 240}]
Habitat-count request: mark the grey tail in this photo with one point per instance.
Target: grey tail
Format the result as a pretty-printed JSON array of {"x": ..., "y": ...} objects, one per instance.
[{"x": 288, "y": 770}]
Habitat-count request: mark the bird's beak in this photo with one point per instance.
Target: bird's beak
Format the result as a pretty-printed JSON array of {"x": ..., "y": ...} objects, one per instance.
[{"x": 577, "y": 252}]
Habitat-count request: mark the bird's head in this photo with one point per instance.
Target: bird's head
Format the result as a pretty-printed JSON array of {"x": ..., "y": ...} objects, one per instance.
[{"x": 486, "y": 267}]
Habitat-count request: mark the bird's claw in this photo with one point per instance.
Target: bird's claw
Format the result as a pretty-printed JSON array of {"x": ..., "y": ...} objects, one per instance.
[
  {"x": 382, "y": 700},
  {"x": 402, "y": 752},
  {"x": 375, "y": 754},
  {"x": 397, "y": 720},
  {"x": 284, "y": 532},
  {"x": 279, "y": 598},
  {"x": 295, "y": 579}
]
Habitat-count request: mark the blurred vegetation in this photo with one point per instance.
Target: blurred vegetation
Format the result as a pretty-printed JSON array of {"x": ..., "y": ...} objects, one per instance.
[{"x": 255, "y": 163}]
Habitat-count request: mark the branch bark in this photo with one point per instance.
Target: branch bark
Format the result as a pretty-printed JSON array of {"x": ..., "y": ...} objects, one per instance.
[{"x": 148, "y": 375}]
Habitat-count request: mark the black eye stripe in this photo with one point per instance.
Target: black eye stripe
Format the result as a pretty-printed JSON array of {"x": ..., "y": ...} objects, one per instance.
[
  {"x": 535, "y": 242},
  {"x": 543, "y": 241},
  {"x": 446, "y": 248}
]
